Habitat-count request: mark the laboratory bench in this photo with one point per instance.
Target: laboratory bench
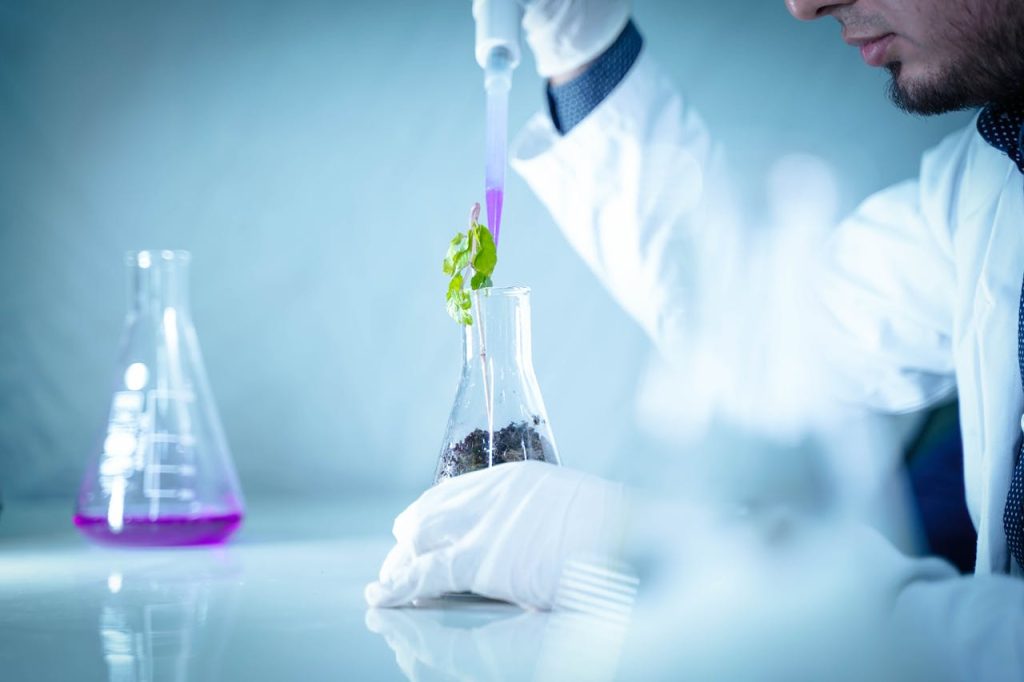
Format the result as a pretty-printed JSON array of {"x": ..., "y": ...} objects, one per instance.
[{"x": 283, "y": 600}]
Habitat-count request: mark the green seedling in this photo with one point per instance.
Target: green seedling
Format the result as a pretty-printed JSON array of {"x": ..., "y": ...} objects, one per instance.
[{"x": 471, "y": 257}]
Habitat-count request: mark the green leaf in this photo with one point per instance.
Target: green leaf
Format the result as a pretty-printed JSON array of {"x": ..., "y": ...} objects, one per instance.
[
  {"x": 454, "y": 309},
  {"x": 455, "y": 286},
  {"x": 480, "y": 281},
  {"x": 461, "y": 261},
  {"x": 458, "y": 308},
  {"x": 457, "y": 257},
  {"x": 465, "y": 301},
  {"x": 474, "y": 249},
  {"x": 486, "y": 255},
  {"x": 455, "y": 312},
  {"x": 458, "y": 302}
]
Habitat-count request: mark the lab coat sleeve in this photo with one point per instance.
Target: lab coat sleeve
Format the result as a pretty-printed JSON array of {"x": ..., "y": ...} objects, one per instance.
[
  {"x": 630, "y": 188},
  {"x": 643, "y": 194}
]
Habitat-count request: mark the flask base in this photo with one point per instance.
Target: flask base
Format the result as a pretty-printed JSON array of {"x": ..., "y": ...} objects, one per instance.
[{"x": 161, "y": 532}]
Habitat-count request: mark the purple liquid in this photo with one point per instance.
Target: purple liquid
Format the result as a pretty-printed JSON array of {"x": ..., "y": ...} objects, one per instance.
[
  {"x": 174, "y": 531},
  {"x": 495, "y": 198}
]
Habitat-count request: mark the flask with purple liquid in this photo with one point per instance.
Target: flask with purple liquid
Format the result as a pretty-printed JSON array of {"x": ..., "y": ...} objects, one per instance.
[{"x": 161, "y": 473}]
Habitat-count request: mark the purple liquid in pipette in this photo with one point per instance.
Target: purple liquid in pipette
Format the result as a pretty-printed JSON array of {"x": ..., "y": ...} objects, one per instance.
[
  {"x": 496, "y": 152},
  {"x": 495, "y": 196},
  {"x": 173, "y": 531}
]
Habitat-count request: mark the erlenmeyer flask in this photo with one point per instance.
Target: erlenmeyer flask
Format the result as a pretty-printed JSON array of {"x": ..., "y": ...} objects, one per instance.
[
  {"x": 499, "y": 414},
  {"x": 161, "y": 473}
]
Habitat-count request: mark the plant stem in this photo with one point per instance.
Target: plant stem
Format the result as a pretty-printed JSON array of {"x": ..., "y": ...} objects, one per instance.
[{"x": 488, "y": 377}]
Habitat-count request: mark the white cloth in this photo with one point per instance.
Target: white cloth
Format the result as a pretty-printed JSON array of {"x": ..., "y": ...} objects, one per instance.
[{"x": 921, "y": 289}]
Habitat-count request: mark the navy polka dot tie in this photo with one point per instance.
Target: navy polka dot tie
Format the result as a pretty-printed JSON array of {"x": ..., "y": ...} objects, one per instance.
[
  {"x": 1003, "y": 128},
  {"x": 1013, "y": 514}
]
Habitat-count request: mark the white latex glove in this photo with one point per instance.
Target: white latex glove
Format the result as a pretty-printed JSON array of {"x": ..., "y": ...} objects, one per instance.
[
  {"x": 503, "y": 532},
  {"x": 566, "y": 34}
]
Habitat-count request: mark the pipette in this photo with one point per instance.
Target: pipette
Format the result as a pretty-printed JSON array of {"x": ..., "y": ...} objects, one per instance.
[
  {"x": 497, "y": 83},
  {"x": 497, "y": 51}
]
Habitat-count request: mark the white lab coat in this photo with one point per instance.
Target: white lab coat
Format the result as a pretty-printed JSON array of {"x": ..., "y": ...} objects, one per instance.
[{"x": 921, "y": 288}]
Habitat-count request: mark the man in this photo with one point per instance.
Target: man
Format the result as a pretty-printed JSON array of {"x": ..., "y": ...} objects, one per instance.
[{"x": 922, "y": 289}]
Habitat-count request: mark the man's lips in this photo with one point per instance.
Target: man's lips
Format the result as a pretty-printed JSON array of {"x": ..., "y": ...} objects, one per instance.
[{"x": 872, "y": 48}]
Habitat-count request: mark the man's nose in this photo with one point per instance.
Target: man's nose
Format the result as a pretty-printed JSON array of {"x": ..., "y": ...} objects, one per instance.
[{"x": 806, "y": 10}]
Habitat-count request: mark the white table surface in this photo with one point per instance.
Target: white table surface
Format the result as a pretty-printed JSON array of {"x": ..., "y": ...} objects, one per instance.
[{"x": 282, "y": 601}]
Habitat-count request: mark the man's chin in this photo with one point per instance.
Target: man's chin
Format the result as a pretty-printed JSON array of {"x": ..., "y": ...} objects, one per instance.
[{"x": 924, "y": 99}]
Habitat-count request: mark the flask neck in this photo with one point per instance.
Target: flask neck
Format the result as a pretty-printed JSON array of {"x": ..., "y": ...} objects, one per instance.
[
  {"x": 158, "y": 282},
  {"x": 501, "y": 329}
]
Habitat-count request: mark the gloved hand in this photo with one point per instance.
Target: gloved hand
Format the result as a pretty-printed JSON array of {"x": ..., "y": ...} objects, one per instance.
[
  {"x": 566, "y": 34},
  {"x": 503, "y": 532}
]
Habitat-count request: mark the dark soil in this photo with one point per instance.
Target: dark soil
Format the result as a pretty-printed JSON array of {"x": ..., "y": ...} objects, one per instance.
[{"x": 516, "y": 442}]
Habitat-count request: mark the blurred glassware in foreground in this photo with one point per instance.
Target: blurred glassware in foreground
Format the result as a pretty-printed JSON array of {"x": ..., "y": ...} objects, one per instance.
[
  {"x": 169, "y": 620},
  {"x": 162, "y": 473},
  {"x": 498, "y": 415}
]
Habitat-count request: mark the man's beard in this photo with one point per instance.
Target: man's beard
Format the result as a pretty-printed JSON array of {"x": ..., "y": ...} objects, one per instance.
[{"x": 989, "y": 70}]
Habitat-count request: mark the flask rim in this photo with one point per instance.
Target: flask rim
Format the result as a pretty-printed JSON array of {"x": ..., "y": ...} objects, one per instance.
[
  {"x": 510, "y": 291},
  {"x": 144, "y": 258}
]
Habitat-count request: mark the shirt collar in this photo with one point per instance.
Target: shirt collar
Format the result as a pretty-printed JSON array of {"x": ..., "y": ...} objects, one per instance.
[{"x": 1002, "y": 126}]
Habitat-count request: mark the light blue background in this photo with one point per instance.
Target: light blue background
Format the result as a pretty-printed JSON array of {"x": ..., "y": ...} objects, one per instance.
[{"x": 315, "y": 157}]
